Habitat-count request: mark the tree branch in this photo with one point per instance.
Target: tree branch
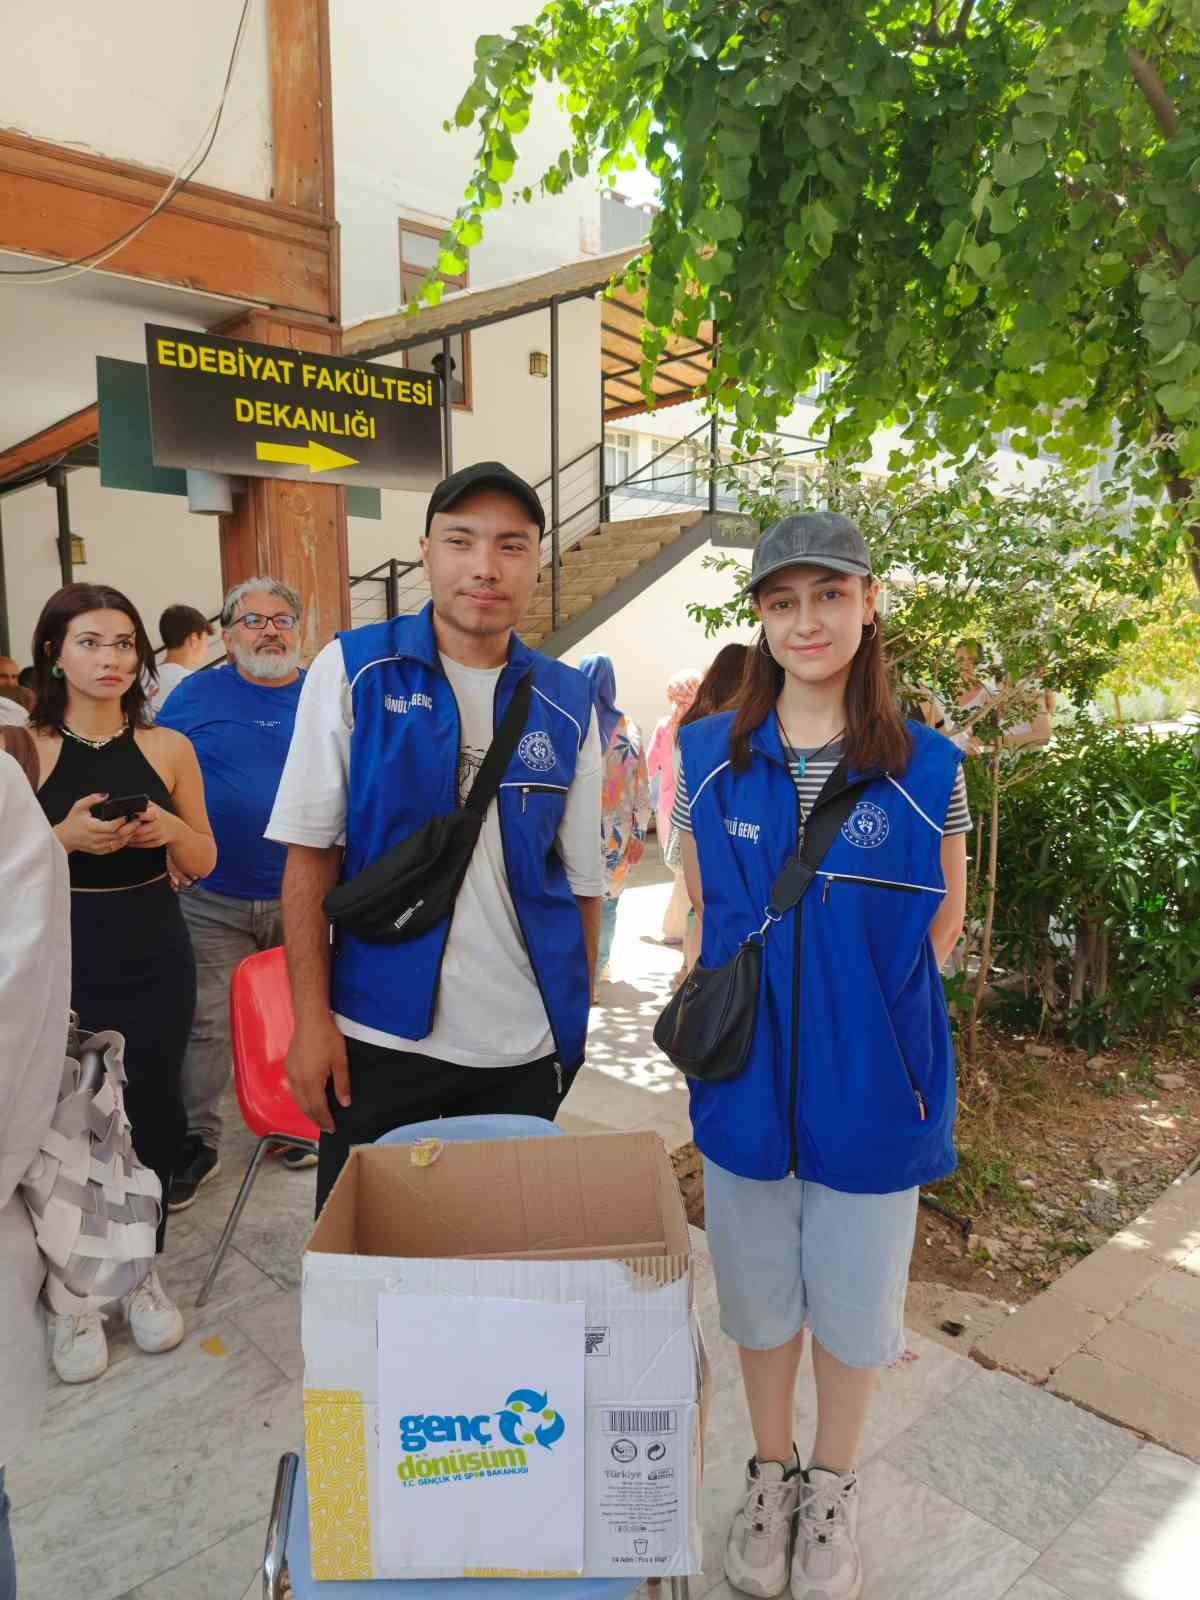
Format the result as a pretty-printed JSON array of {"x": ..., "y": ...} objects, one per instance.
[
  {"x": 959, "y": 30},
  {"x": 1145, "y": 75}
]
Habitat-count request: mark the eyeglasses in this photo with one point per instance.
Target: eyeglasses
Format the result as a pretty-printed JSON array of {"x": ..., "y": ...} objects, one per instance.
[{"x": 256, "y": 621}]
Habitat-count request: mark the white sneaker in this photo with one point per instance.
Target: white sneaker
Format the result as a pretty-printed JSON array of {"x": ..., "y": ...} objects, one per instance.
[
  {"x": 759, "y": 1543},
  {"x": 826, "y": 1564},
  {"x": 154, "y": 1319},
  {"x": 79, "y": 1349}
]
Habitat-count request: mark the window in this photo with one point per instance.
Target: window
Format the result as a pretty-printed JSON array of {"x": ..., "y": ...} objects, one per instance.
[
  {"x": 619, "y": 456},
  {"x": 419, "y": 244},
  {"x": 675, "y": 473}
]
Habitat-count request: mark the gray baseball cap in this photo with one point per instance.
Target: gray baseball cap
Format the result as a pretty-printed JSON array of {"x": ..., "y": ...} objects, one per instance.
[{"x": 811, "y": 539}]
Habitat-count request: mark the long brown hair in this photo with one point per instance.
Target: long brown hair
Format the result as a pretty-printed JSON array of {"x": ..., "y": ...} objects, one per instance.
[
  {"x": 16, "y": 742},
  {"x": 720, "y": 684},
  {"x": 50, "y": 706},
  {"x": 875, "y": 732}
]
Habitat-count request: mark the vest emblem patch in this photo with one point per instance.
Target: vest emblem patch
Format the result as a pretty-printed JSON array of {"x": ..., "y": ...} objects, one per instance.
[
  {"x": 537, "y": 752},
  {"x": 867, "y": 826}
]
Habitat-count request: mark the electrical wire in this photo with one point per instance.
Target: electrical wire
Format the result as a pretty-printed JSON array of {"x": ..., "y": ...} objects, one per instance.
[{"x": 62, "y": 271}]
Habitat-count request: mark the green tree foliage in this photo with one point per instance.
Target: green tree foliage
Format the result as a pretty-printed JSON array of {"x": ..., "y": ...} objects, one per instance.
[{"x": 983, "y": 216}]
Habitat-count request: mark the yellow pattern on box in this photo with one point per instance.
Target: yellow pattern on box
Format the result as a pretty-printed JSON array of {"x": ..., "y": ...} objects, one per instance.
[{"x": 338, "y": 1508}]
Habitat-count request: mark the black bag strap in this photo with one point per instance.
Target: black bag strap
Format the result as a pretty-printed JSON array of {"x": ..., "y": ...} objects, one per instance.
[
  {"x": 830, "y": 809},
  {"x": 499, "y": 754}
]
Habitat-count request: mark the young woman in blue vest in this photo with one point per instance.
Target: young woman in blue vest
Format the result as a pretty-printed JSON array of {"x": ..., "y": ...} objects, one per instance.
[{"x": 814, "y": 1153}]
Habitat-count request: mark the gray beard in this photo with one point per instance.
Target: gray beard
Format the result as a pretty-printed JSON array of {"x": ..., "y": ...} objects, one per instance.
[{"x": 268, "y": 667}]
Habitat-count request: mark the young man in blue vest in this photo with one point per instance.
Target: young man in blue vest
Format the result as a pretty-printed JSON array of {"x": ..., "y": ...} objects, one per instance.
[{"x": 486, "y": 1012}]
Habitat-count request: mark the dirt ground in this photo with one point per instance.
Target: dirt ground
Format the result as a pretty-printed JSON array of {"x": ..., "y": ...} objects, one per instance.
[{"x": 1057, "y": 1151}]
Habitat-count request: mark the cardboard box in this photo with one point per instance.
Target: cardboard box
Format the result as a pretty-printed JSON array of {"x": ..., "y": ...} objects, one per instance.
[{"x": 595, "y": 1222}]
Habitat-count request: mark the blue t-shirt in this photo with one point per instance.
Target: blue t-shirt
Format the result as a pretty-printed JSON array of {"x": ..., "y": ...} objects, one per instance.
[{"x": 241, "y": 732}]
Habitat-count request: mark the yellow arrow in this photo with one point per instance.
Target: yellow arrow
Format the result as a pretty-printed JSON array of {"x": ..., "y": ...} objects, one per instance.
[{"x": 316, "y": 457}]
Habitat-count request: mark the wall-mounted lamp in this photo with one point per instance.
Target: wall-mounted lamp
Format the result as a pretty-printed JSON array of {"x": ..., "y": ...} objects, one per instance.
[
  {"x": 78, "y": 551},
  {"x": 539, "y": 364}
]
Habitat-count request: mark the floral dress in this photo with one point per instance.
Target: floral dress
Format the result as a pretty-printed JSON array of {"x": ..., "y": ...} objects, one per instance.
[{"x": 625, "y": 808}]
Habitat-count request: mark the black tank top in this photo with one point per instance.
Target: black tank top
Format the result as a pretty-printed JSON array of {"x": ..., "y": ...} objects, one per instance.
[{"x": 117, "y": 769}]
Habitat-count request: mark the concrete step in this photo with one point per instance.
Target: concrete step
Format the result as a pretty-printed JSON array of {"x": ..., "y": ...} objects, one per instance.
[
  {"x": 607, "y": 552},
  {"x": 672, "y": 519}
]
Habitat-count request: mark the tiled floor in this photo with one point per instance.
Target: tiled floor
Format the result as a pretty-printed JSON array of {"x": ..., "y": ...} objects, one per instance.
[{"x": 154, "y": 1483}]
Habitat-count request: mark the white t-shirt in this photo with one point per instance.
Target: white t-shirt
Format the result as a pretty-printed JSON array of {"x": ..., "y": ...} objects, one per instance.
[
  {"x": 170, "y": 674},
  {"x": 489, "y": 1011}
]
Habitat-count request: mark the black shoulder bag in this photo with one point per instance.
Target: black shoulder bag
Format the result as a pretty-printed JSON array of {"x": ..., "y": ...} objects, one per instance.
[
  {"x": 707, "y": 1026},
  {"x": 411, "y": 888}
]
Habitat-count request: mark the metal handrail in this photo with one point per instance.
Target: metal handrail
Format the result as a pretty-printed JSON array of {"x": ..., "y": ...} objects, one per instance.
[{"x": 566, "y": 467}]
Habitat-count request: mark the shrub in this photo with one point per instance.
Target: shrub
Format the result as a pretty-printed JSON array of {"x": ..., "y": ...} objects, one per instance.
[{"x": 1098, "y": 888}]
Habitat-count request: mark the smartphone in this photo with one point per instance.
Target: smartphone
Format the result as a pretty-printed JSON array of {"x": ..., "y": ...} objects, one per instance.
[{"x": 126, "y": 805}]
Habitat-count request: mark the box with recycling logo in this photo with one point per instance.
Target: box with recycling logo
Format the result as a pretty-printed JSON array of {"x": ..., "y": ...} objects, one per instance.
[{"x": 503, "y": 1369}]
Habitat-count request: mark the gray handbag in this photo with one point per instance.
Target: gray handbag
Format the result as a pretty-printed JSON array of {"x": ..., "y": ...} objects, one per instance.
[{"x": 95, "y": 1208}]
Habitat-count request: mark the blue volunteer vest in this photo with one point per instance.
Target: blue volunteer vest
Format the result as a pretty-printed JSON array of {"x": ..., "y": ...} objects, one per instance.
[
  {"x": 850, "y": 1080},
  {"x": 404, "y": 770}
]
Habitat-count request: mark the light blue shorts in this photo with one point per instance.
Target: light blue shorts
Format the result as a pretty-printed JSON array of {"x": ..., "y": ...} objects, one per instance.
[{"x": 790, "y": 1254}]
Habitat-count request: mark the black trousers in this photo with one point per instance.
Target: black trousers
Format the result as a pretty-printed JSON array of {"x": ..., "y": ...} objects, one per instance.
[
  {"x": 133, "y": 970},
  {"x": 389, "y": 1088}
]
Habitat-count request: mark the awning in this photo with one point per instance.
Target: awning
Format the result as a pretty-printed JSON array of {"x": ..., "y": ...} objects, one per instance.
[{"x": 682, "y": 368}]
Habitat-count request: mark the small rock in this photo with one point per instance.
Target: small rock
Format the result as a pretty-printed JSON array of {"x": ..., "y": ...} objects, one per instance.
[
  {"x": 1170, "y": 1080},
  {"x": 1041, "y": 1052},
  {"x": 1026, "y": 1183},
  {"x": 1103, "y": 1203},
  {"x": 954, "y": 1329},
  {"x": 1094, "y": 1063},
  {"x": 994, "y": 1247},
  {"x": 1110, "y": 1164}
]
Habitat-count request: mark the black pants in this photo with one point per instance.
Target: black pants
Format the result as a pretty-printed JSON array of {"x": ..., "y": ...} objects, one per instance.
[
  {"x": 132, "y": 969},
  {"x": 389, "y": 1088}
]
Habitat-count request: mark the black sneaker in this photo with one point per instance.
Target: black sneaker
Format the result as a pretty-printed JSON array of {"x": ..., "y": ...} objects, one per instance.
[
  {"x": 295, "y": 1159},
  {"x": 201, "y": 1162}
]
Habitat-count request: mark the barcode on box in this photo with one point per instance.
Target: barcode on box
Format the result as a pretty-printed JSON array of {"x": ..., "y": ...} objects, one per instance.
[{"x": 640, "y": 1421}]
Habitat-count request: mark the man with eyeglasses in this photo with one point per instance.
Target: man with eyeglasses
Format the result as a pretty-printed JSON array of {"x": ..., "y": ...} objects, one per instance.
[{"x": 239, "y": 716}]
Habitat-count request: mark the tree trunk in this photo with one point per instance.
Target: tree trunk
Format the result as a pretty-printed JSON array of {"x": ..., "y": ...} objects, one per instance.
[
  {"x": 1117, "y": 708},
  {"x": 1046, "y": 976},
  {"x": 1100, "y": 981},
  {"x": 1179, "y": 490},
  {"x": 1079, "y": 968},
  {"x": 989, "y": 913}
]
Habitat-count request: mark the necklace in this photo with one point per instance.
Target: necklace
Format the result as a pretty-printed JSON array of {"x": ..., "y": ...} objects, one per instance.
[
  {"x": 800, "y": 762},
  {"x": 93, "y": 744}
]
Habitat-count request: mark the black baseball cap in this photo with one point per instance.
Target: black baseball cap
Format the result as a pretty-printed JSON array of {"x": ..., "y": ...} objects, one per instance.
[
  {"x": 485, "y": 475},
  {"x": 811, "y": 539}
]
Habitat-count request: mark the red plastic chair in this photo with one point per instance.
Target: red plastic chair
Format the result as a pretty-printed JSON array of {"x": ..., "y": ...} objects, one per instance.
[{"x": 261, "y": 1026}]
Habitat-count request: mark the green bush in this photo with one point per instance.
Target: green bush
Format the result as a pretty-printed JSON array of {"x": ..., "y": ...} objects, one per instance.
[{"x": 1098, "y": 888}]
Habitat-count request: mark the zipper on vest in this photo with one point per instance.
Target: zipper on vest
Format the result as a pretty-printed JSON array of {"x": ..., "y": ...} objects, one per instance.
[
  {"x": 516, "y": 904},
  {"x": 872, "y": 883},
  {"x": 534, "y": 788},
  {"x": 794, "y": 1083}
]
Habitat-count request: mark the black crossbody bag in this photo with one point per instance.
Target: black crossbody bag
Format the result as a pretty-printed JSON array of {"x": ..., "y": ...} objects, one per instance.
[
  {"x": 411, "y": 888},
  {"x": 707, "y": 1026}
]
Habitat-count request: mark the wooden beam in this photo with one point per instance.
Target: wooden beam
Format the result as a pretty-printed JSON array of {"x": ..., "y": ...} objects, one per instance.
[
  {"x": 615, "y": 413},
  {"x": 301, "y": 105},
  {"x": 50, "y": 443},
  {"x": 287, "y": 528},
  {"x": 60, "y": 204}
]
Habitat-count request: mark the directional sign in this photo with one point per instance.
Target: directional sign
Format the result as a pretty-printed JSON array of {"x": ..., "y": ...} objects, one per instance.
[{"x": 269, "y": 411}]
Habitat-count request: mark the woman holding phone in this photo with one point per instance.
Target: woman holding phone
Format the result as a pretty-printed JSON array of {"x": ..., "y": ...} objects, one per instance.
[{"x": 122, "y": 796}]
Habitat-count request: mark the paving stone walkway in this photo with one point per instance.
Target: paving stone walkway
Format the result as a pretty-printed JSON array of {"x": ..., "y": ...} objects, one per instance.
[
  {"x": 1120, "y": 1333},
  {"x": 154, "y": 1483}
]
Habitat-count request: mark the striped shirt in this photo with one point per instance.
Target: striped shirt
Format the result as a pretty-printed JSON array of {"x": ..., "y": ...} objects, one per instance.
[{"x": 813, "y": 779}]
